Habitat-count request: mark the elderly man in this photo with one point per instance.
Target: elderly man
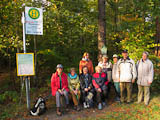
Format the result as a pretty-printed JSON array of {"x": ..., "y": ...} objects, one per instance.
[
  {"x": 127, "y": 75},
  {"x": 145, "y": 77}
]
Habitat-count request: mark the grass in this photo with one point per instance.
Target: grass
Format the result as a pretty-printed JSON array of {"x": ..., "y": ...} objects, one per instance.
[{"x": 131, "y": 112}]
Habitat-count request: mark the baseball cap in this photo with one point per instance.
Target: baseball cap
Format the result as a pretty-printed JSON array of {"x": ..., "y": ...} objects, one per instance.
[
  {"x": 105, "y": 56},
  {"x": 115, "y": 56},
  {"x": 125, "y": 51},
  {"x": 59, "y": 66}
]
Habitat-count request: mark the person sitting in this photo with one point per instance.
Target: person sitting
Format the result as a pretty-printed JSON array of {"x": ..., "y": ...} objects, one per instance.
[
  {"x": 74, "y": 86},
  {"x": 100, "y": 82},
  {"x": 86, "y": 88},
  {"x": 59, "y": 85}
]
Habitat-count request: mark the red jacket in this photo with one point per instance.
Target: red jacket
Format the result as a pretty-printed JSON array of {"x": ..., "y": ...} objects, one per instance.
[
  {"x": 98, "y": 81},
  {"x": 55, "y": 82}
]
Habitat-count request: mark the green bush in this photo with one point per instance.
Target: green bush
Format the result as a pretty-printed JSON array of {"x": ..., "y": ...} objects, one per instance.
[
  {"x": 9, "y": 96},
  {"x": 156, "y": 82}
]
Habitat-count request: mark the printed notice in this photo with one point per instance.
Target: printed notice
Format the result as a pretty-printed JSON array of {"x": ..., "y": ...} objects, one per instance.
[{"x": 25, "y": 64}]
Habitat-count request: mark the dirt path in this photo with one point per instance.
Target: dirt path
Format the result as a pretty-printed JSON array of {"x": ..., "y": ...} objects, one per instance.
[{"x": 72, "y": 114}]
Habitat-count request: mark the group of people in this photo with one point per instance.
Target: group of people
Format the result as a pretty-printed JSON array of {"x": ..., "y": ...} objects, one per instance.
[{"x": 90, "y": 87}]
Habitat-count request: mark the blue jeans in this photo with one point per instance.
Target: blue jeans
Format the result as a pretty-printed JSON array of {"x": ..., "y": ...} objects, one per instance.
[
  {"x": 58, "y": 97},
  {"x": 117, "y": 87}
]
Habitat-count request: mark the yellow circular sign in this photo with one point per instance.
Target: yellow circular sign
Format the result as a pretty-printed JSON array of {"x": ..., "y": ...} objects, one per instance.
[{"x": 34, "y": 13}]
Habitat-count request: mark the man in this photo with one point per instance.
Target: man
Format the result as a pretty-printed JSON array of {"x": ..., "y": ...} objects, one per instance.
[
  {"x": 59, "y": 85},
  {"x": 145, "y": 78},
  {"x": 127, "y": 75},
  {"x": 116, "y": 78}
]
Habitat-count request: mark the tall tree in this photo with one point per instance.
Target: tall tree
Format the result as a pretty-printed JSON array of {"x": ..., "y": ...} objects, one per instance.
[{"x": 101, "y": 25}]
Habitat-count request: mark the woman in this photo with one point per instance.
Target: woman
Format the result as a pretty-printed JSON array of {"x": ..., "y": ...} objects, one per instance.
[
  {"x": 100, "y": 83},
  {"x": 86, "y": 88},
  {"x": 74, "y": 86},
  {"x": 116, "y": 78},
  {"x": 86, "y": 62},
  {"x": 59, "y": 85},
  {"x": 107, "y": 68}
]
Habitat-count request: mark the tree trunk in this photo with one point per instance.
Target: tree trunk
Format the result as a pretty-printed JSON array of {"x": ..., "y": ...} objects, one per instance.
[
  {"x": 101, "y": 25},
  {"x": 157, "y": 41}
]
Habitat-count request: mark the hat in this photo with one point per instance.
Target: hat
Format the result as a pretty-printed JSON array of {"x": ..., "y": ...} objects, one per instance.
[
  {"x": 115, "y": 56},
  {"x": 125, "y": 51},
  {"x": 59, "y": 66},
  {"x": 105, "y": 56},
  {"x": 145, "y": 52}
]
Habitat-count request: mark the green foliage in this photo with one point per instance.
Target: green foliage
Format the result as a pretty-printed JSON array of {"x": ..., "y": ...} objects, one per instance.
[
  {"x": 156, "y": 82},
  {"x": 9, "y": 96}
]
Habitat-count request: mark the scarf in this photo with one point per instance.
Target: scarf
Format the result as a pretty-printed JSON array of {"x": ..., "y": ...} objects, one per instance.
[
  {"x": 72, "y": 77},
  {"x": 85, "y": 59}
]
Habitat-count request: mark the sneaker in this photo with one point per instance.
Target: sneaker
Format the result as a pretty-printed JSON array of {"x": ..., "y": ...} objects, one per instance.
[
  {"x": 84, "y": 105},
  {"x": 88, "y": 106},
  {"x": 103, "y": 103},
  {"x": 117, "y": 99},
  {"x": 100, "y": 106}
]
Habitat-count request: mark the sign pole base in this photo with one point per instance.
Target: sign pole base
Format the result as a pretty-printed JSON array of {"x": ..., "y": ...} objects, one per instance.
[{"x": 27, "y": 92}]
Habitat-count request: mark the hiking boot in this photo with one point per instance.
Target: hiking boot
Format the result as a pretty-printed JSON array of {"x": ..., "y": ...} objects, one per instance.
[
  {"x": 129, "y": 102},
  {"x": 146, "y": 104},
  {"x": 78, "y": 108},
  {"x": 58, "y": 111},
  {"x": 117, "y": 99},
  {"x": 138, "y": 102},
  {"x": 100, "y": 106},
  {"x": 67, "y": 108}
]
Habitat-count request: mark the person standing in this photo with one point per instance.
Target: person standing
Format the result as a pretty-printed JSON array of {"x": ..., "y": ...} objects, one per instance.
[
  {"x": 107, "y": 68},
  {"x": 145, "y": 78},
  {"x": 100, "y": 82},
  {"x": 86, "y": 88},
  {"x": 127, "y": 75},
  {"x": 74, "y": 87},
  {"x": 115, "y": 77},
  {"x": 86, "y": 62},
  {"x": 59, "y": 86}
]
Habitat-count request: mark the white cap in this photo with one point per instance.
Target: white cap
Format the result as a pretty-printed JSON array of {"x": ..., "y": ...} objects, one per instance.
[{"x": 115, "y": 56}]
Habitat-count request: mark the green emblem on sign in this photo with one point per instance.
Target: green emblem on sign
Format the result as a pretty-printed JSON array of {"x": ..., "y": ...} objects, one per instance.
[{"x": 33, "y": 13}]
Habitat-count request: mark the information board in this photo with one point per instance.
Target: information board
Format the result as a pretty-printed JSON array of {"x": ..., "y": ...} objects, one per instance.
[{"x": 25, "y": 64}]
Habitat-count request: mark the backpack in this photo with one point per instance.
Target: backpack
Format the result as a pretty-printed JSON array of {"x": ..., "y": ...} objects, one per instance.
[
  {"x": 89, "y": 99},
  {"x": 39, "y": 107}
]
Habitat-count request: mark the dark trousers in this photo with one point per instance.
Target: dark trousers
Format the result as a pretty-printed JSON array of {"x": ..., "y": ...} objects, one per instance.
[
  {"x": 101, "y": 96},
  {"x": 109, "y": 88}
]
